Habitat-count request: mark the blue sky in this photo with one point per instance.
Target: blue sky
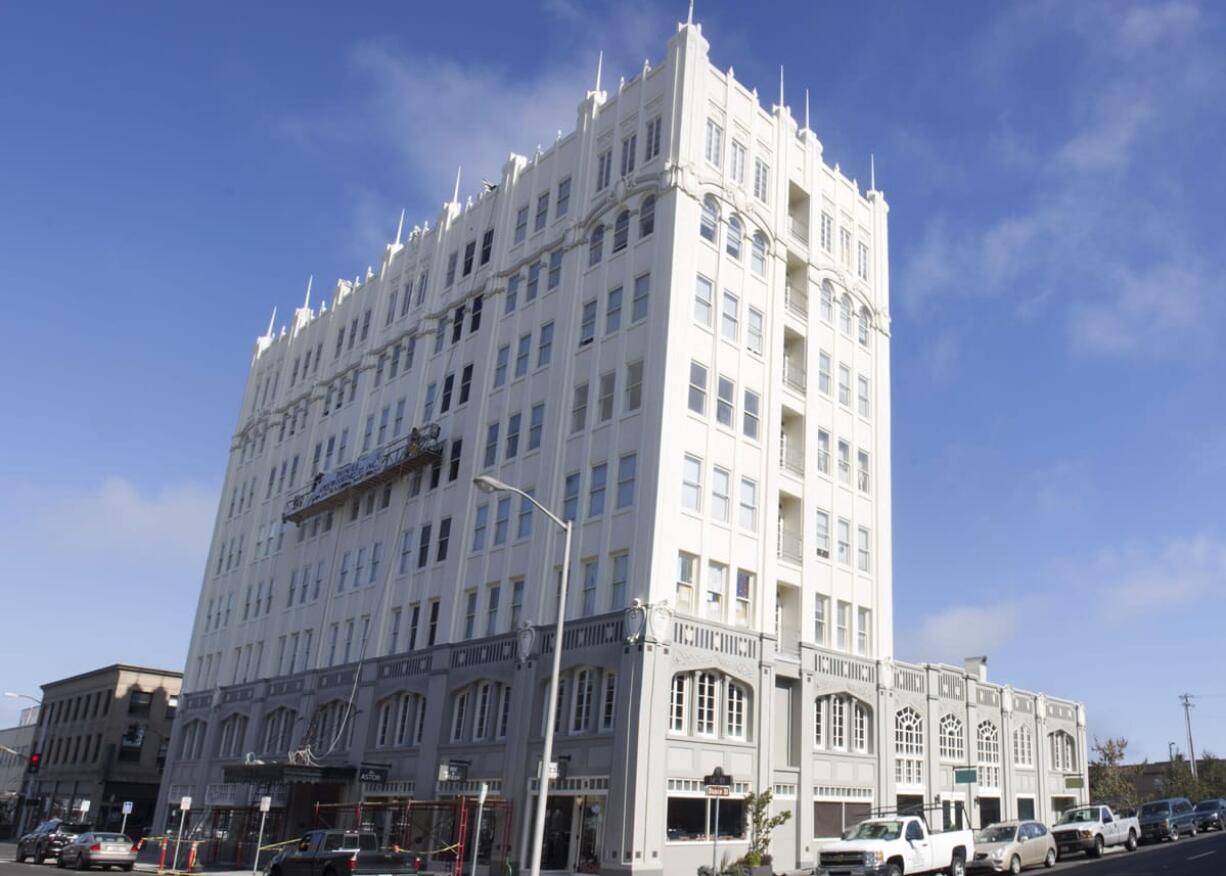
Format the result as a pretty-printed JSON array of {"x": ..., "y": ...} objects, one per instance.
[{"x": 169, "y": 173}]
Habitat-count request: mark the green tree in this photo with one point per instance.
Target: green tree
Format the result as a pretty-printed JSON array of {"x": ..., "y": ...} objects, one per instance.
[
  {"x": 1177, "y": 781},
  {"x": 1111, "y": 780},
  {"x": 1212, "y": 772},
  {"x": 761, "y": 824}
]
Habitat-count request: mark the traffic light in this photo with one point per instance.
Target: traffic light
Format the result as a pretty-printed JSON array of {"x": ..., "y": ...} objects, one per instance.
[{"x": 35, "y": 760}]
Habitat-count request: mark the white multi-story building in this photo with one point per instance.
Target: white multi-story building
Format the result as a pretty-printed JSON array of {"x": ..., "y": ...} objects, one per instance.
[{"x": 673, "y": 327}]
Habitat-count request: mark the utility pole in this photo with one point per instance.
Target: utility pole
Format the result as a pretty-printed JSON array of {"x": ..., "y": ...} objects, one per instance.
[{"x": 1186, "y": 699}]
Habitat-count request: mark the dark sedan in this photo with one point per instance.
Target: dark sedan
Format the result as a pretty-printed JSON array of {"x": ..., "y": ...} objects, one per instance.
[
  {"x": 1211, "y": 814},
  {"x": 46, "y": 840}
]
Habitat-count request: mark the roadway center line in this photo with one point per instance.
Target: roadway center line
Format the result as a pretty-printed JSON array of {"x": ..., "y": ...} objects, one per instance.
[{"x": 1202, "y": 855}]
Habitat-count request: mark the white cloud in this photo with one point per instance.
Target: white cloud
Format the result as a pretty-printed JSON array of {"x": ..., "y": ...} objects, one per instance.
[
  {"x": 959, "y": 631},
  {"x": 1129, "y": 582},
  {"x": 1161, "y": 308}
]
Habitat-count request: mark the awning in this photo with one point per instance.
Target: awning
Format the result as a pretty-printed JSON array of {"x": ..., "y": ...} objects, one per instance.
[{"x": 288, "y": 773}]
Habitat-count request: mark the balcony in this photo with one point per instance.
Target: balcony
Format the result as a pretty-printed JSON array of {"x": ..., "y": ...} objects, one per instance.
[
  {"x": 799, "y": 229},
  {"x": 794, "y": 375},
  {"x": 421, "y": 447},
  {"x": 797, "y": 301},
  {"x": 792, "y": 458},
  {"x": 791, "y": 545}
]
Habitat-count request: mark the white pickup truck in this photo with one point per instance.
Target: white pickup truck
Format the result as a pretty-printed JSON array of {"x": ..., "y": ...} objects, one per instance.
[
  {"x": 1091, "y": 829},
  {"x": 896, "y": 846}
]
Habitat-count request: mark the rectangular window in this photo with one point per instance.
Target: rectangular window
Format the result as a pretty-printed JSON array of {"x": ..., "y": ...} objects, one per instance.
[
  {"x": 687, "y": 565},
  {"x": 534, "y": 282},
  {"x": 714, "y": 146},
  {"x": 642, "y": 288},
  {"x": 630, "y": 148},
  {"x": 512, "y": 294},
  {"x": 524, "y": 527},
  {"x": 513, "y": 425},
  {"x": 844, "y": 542},
  {"x": 845, "y": 246},
  {"x": 555, "y": 269},
  {"x": 578, "y": 411},
  {"x": 827, "y": 235},
  {"x": 698, "y": 388},
  {"x": 570, "y": 498},
  {"x": 743, "y": 610},
  {"x": 862, "y": 477},
  {"x": 536, "y": 425},
  {"x": 702, "y": 300},
  {"x": 521, "y": 355},
  {"x": 613, "y": 311},
  {"x": 844, "y": 385},
  {"x": 736, "y": 162},
  {"x": 480, "y": 523},
  {"x": 691, "y": 483},
  {"x": 604, "y": 169},
  {"x": 491, "y": 444},
  {"x": 862, "y": 406},
  {"x": 470, "y": 252},
  {"x": 717, "y": 586},
  {"x": 651, "y": 145},
  {"x": 843, "y": 626},
  {"x": 721, "y": 488},
  {"x": 521, "y": 224},
  {"x": 864, "y": 637},
  {"x": 752, "y": 416},
  {"x": 452, "y": 259},
  {"x": 470, "y": 614},
  {"x": 444, "y": 404},
  {"x": 591, "y": 573},
  {"x": 634, "y": 386},
  {"x": 466, "y": 383},
  {"x": 844, "y": 462},
  {"x": 822, "y": 534},
  {"x": 423, "y": 546},
  {"x": 748, "y": 515},
  {"x": 517, "y": 603},
  {"x": 627, "y": 470},
  {"x": 823, "y": 451},
  {"x": 491, "y": 612},
  {"x": 542, "y": 212},
  {"x": 444, "y": 538},
  {"x": 754, "y": 331},
  {"x": 761, "y": 180},
  {"x": 608, "y": 391},
  {"x": 821, "y": 618},
  {"x": 621, "y": 567},
  {"x": 544, "y": 345},
  {"x": 862, "y": 261},
  {"x": 596, "y": 489},
  {"x": 725, "y": 402},
  {"x": 487, "y": 246},
  {"x": 823, "y": 372},
  {"x": 587, "y": 324},
  {"x": 562, "y": 204},
  {"x": 502, "y": 521},
  {"x": 862, "y": 553},
  {"x": 500, "y": 365},
  {"x": 730, "y": 316}
]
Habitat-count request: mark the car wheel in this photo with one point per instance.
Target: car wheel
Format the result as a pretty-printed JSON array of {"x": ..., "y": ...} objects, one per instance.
[
  {"x": 1015, "y": 866},
  {"x": 81, "y": 865},
  {"x": 20, "y": 856},
  {"x": 957, "y": 867},
  {"x": 1050, "y": 860},
  {"x": 59, "y": 861},
  {"x": 1131, "y": 844},
  {"x": 892, "y": 870},
  {"x": 1192, "y": 830}
]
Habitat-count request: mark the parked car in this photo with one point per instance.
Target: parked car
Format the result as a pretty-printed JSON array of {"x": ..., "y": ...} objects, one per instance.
[
  {"x": 1211, "y": 814},
  {"x": 895, "y": 845},
  {"x": 338, "y": 853},
  {"x": 1091, "y": 829},
  {"x": 46, "y": 840},
  {"x": 98, "y": 849},
  {"x": 1011, "y": 846},
  {"x": 1167, "y": 819}
]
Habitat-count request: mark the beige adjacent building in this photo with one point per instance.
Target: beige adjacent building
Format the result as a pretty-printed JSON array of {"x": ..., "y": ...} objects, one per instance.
[{"x": 103, "y": 736}]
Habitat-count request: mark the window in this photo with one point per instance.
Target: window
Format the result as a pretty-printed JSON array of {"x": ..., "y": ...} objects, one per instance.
[
  {"x": 513, "y": 424},
  {"x": 721, "y": 487},
  {"x": 570, "y": 499},
  {"x": 753, "y": 331},
  {"x": 732, "y": 244},
  {"x": 517, "y": 602},
  {"x": 862, "y": 406},
  {"x": 844, "y": 462},
  {"x": 521, "y": 224},
  {"x": 864, "y": 631},
  {"x": 445, "y": 401},
  {"x": 823, "y": 372},
  {"x": 630, "y": 148},
  {"x": 608, "y": 391},
  {"x": 827, "y": 231},
  {"x": 581, "y": 711},
  {"x": 753, "y": 403},
  {"x": 500, "y": 366},
  {"x": 595, "y": 245},
  {"x": 725, "y": 401},
  {"x": 821, "y": 618},
  {"x": 642, "y": 288},
  {"x": 1023, "y": 746},
  {"x": 608, "y": 700},
  {"x": 544, "y": 346},
  {"x": 761, "y": 180},
  {"x": 444, "y": 537},
  {"x": 470, "y": 252},
  {"x": 591, "y": 571},
  {"x": 708, "y": 225},
  {"x": 952, "y": 742},
  {"x": 587, "y": 323},
  {"x": 862, "y": 476},
  {"x": 634, "y": 386},
  {"x": 524, "y": 527},
  {"x": 481, "y": 720},
  {"x": 466, "y": 383},
  {"x": 717, "y": 586},
  {"x": 613, "y": 311},
  {"x": 691, "y": 483},
  {"x": 536, "y": 425},
  {"x": 647, "y": 216},
  {"x": 844, "y": 542},
  {"x": 845, "y": 246},
  {"x": 621, "y": 231},
  {"x": 734, "y": 713},
  {"x": 521, "y": 355},
  {"x": 705, "y": 703},
  {"x": 748, "y": 515},
  {"x": 843, "y": 626},
  {"x": 827, "y": 301},
  {"x": 862, "y": 261},
  {"x": 677, "y": 710},
  {"x": 862, "y": 327},
  {"x": 736, "y": 162},
  {"x": 423, "y": 546},
  {"x": 451, "y": 266},
  {"x": 862, "y": 553},
  {"x": 743, "y": 608},
  {"x": 730, "y": 316},
  {"x": 542, "y": 212},
  {"x": 1063, "y": 752},
  {"x": 757, "y": 254},
  {"x": 698, "y": 388},
  {"x": 987, "y": 748},
  {"x": 534, "y": 282},
  {"x": 714, "y": 145},
  {"x": 617, "y": 588},
  {"x": 596, "y": 489},
  {"x": 578, "y": 411},
  {"x": 470, "y": 614},
  {"x": 562, "y": 204},
  {"x": 491, "y": 444},
  {"x": 480, "y": 522},
  {"x": 844, "y": 385},
  {"x": 908, "y": 747},
  {"x": 702, "y": 300},
  {"x": 627, "y": 469},
  {"x": 458, "y": 716},
  {"x": 687, "y": 566},
  {"x": 487, "y": 246},
  {"x": 651, "y": 144},
  {"x": 555, "y": 269},
  {"x": 604, "y": 169},
  {"x": 845, "y": 314}
]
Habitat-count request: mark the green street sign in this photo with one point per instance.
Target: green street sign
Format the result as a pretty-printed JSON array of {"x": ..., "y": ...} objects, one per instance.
[
  {"x": 966, "y": 776},
  {"x": 1074, "y": 782}
]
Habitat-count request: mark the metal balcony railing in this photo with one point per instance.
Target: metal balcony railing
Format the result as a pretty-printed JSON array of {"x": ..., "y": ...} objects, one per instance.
[
  {"x": 793, "y": 375},
  {"x": 792, "y": 457},
  {"x": 422, "y": 446},
  {"x": 797, "y": 301},
  {"x": 790, "y": 545},
  {"x": 799, "y": 229}
]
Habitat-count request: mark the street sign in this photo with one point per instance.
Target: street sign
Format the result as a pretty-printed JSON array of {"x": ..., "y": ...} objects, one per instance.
[
  {"x": 265, "y": 804},
  {"x": 1074, "y": 782},
  {"x": 185, "y": 804},
  {"x": 372, "y": 774},
  {"x": 966, "y": 776},
  {"x": 84, "y": 806},
  {"x": 719, "y": 791},
  {"x": 718, "y": 777},
  {"x": 127, "y": 807}
]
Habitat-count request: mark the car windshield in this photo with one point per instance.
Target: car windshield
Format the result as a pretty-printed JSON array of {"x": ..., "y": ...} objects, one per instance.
[
  {"x": 1002, "y": 833},
  {"x": 111, "y": 838},
  {"x": 1207, "y": 805},
  {"x": 1156, "y": 808},
  {"x": 1079, "y": 816},
  {"x": 877, "y": 830}
]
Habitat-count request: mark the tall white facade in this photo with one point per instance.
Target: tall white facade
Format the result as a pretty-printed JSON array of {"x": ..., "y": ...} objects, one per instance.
[{"x": 673, "y": 328}]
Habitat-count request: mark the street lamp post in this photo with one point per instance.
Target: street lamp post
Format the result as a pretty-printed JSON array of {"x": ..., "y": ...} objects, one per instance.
[
  {"x": 488, "y": 484},
  {"x": 42, "y": 736}
]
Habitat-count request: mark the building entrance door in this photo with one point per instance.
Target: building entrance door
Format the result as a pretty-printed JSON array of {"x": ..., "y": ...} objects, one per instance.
[
  {"x": 574, "y": 834},
  {"x": 989, "y": 811}
]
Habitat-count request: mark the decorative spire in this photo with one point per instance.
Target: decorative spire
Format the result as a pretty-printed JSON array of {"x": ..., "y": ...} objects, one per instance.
[
  {"x": 455, "y": 194},
  {"x": 780, "y": 86},
  {"x": 400, "y": 227},
  {"x": 872, "y": 173},
  {"x": 599, "y": 68},
  {"x": 306, "y": 302},
  {"x": 271, "y": 320},
  {"x": 689, "y": 16},
  {"x": 807, "y": 128}
]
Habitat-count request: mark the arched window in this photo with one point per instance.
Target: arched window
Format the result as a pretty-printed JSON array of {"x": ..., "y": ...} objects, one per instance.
[
  {"x": 988, "y": 751},
  {"x": 647, "y": 216},
  {"x": 484, "y": 712},
  {"x": 827, "y": 301},
  {"x": 393, "y": 727},
  {"x": 908, "y": 747},
  {"x": 595, "y": 245},
  {"x": 191, "y": 747},
  {"x": 679, "y": 703},
  {"x": 732, "y": 244},
  {"x": 706, "y": 704},
  {"x": 709, "y": 704},
  {"x": 845, "y": 314},
  {"x": 1023, "y": 746},
  {"x": 233, "y": 735},
  {"x": 707, "y": 228},
  {"x": 621, "y": 231},
  {"x": 952, "y": 739},
  {"x": 333, "y": 728},
  {"x": 757, "y": 255},
  {"x": 459, "y": 714},
  {"x": 734, "y": 723},
  {"x": 863, "y": 326},
  {"x": 1063, "y": 752},
  {"x": 842, "y": 722},
  {"x": 278, "y": 731}
]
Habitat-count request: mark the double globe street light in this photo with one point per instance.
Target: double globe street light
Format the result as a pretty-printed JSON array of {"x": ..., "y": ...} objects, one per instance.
[{"x": 487, "y": 484}]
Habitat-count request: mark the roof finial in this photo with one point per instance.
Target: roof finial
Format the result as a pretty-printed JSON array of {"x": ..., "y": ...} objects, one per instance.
[
  {"x": 306, "y": 302},
  {"x": 689, "y": 16},
  {"x": 272, "y": 319},
  {"x": 599, "y": 68},
  {"x": 780, "y": 86},
  {"x": 807, "y": 128},
  {"x": 455, "y": 194},
  {"x": 400, "y": 227},
  {"x": 872, "y": 173}
]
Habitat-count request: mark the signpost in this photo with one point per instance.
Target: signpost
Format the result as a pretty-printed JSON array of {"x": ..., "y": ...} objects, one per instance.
[
  {"x": 265, "y": 805},
  {"x": 1072, "y": 782},
  {"x": 84, "y": 809},
  {"x": 485, "y": 789},
  {"x": 127, "y": 810},
  {"x": 185, "y": 806},
  {"x": 717, "y": 785},
  {"x": 966, "y": 776}
]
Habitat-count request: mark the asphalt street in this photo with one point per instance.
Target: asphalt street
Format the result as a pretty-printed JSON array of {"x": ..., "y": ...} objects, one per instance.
[{"x": 1205, "y": 855}]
